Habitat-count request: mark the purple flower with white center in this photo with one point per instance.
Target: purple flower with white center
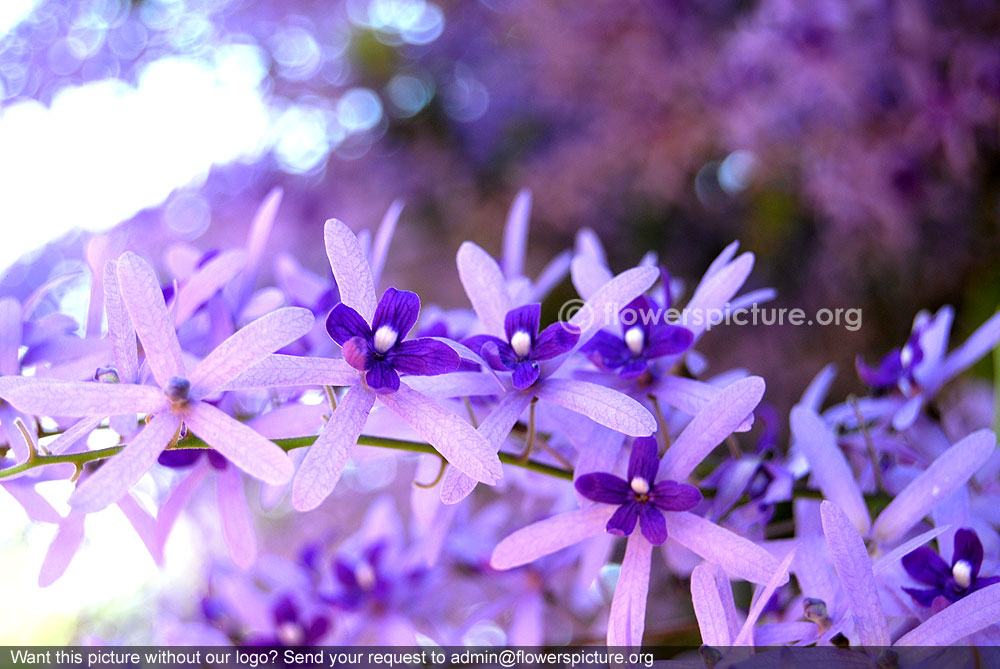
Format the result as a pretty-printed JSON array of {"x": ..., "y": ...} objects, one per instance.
[
  {"x": 361, "y": 581},
  {"x": 644, "y": 338},
  {"x": 525, "y": 346},
  {"x": 948, "y": 584},
  {"x": 639, "y": 496},
  {"x": 291, "y": 628},
  {"x": 380, "y": 351},
  {"x": 896, "y": 367},
  {"x": 179, "y": 399}
]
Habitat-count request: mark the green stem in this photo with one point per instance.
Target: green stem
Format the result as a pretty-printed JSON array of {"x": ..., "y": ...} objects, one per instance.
[{"x": 289, "y": 444}]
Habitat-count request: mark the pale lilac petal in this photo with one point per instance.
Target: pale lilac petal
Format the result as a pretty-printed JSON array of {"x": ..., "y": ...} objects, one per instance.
[
  {"x": 627, "y": 619},
  {"x": 96, "y": 251},
  {"x": 551, "y": 276},
  {"x": 515, "y": 235},
  {"x": 8, "y": 418},
  {"x": 248, "y": 346},
  {"x": 968, "y": 615},
  {"x": 898, "y": 552},
  {"x": 122, "y": 471},
  {"x": 714, "y": 291},
  {"x": 588, "y": 276},
  {"x": 828, "y": 469},
  {"x": 607, "y": 407},
  {"x": 142, "y": 522},
  {"x": 739, "y": 557},
  {"x": 386, "y": 230},
  {"x": 299, "y": 284},
  {"x": 495, "y": 428},
  {"x": 10, "y": 335},
  {"x": 36, "y": 506},
  {"x": 714, "y": 608},
  {"x": 280, "y": 371},
  {"x": 237, "y": 525},
  {"x": 527, "y": 622},
  {"x": 178, "y": 499},
  {"x": 52, "y": 397},
  {"x": 753, "y": 297},
  {"x": 257, "y": 242},
  {"x": 589, "y": 245},
  {"x": 74, "y": 434},
  {"x": 817, "y": 389},
  {"x": 142, "y": 296},
  {"x": 722, "y": 259},
  {"x": 710, "y": 426},
  {"x": 602, "y": 308},
  {"x": 762, "y": 597},
  {"x": 120, "y": 330},
  {"x": 206, "y": 282},
  {"x": 485, "y": 286},
  {"x": 854, "y": 568},
  {"x": 907, "y": 414},
  {"x": 975, "y": 347},
  {"x": 452, "y": 437},
  {"x": 933, "y": 344},
  {"x": 467, "y": 353},
  {"x": 688, "y": 395},
  {"x": 64, "y": 546},
  {"x": 456, "y": 384},
  {"x": 326, "y": 458},
  {"x": 350, "y": 269},
  {"x": 550, "y": 535},
  {"x": 243, "y": 447},
  {"x": 950, "y": 471}
]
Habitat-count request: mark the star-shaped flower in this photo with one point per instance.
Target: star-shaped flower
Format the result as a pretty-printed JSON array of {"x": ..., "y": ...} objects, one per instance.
[{"x": 948, "y": 584}]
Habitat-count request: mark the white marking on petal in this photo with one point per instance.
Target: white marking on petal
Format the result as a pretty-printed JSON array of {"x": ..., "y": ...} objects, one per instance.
[
  {"x": 635, "y": 339},
  {"x": 290, "y": 633},
  {"x": 521, "y": 343},
  {"x": 365, "y": 575},
  {"x": 385, "y": 338},
  {"x": 906, "y": 356},
  {"x": 640, "y": 486},
  {"x": 962, "y": 573}
]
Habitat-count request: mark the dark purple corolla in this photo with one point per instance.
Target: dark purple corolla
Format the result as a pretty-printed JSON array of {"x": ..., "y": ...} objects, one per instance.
[
  {"x": 645, "y": 337},
  {"x": 948, "y": 584},
  {"x": 525, "y": 346},
  {"x": 895, "y": 369},
  {"x": 291, "y": 628},
  {"x": 640, "y": 497},
  {"x": 379, "y": 349}
]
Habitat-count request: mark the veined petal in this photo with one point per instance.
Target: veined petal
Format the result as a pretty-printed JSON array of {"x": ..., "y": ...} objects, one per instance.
[
  {"x": 120, "y": 330},
  {"x": 485, "y": 286},
  {"x": 762, "y": 597},
  {"x": 237, "y": 525},
  {"x": 257, "y": 238},
  {"x": 451, "y": 436},
  {"x": 550, "y": 535},
  {"x": 608, "y": 407},
  {"x": 383, "y": 237},
  {"x": 345, "y": 323},
  {"x": 326, "y": 458},
  {"x": 280, "y": 371},
  {"x": 714, "y": 291},
  {"x": 853, "y": 566},
  {"x": 456, "y": 384},
  {"x": 603, "y": 487},
  {"x": 398, "y": 309},
  {"x": 974, "y": 612},
  {"x": 241, "y": 445},
  {"x": 739, "y": 557},
  {"x": 713, "y": 423},
  {"x": 828, "y": 468},
  {"x": 350, "y": 268},
  {"x": 52, "y": 397},
  {"x": 109, "y": 483},
  {"x": 424, "y": 357},
  {"x": 588, "y": 275},
  {"x": 554, "y": 340},
  {"x": 627, "y": 619},
  {"x": 714, "y": 607},
  {"x": 602, "y": 307},
  {"x": 971, "y": 350},
  {"x": 456, "y": 486},
  {"x": 248, "y": 346},
  {"x": 950, "y": 471},
  {"x": 144, "y": 301},
  {"x": 523, "y": 319},
  {"x": 206, "y": 282},
  {"x": 515, "y": 235},
  {"x": 643, "y": 460}
]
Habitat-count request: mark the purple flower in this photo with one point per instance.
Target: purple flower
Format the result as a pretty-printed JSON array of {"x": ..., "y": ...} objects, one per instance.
[
  {"x": 362, "y": 581},
  {"x": 291, "y": 628},
  {"x": 379, "y": 349},
  {"x": 644, "y": 338},
  {"x": 639, "y": 497},
  {"x": 895, "y": 368},
  {"x": 525, "y": 346},
  {"x": 950, "y": 583}
]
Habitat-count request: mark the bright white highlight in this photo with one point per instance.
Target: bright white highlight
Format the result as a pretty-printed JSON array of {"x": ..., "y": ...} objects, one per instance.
[
  {"x": 365, "y": 575},
  {"x": 962, "y": 573},
  {"x": 385, "y": 338},
  {"x": 521, "y": 343},
  {"x": 639, "y": 485},
  {"x": 635, "y": 339}
]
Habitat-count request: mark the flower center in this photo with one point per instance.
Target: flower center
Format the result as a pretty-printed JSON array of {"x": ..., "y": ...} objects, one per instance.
[
  {"x": 962, "y": 573},
  {"x": 640, "y": 486},
  {"x": 177, "y": 390},
  {"x": 635, "y": 339},
  {"x": 906, "y": 356},
  {"x": 521, "y": 343},
  {"x": 290, "y": 633},
  {"x": 365, "y": 575},
  {"x": 385, "y": 338}
]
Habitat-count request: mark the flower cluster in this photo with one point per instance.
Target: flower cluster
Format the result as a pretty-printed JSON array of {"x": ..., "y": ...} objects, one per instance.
[{"x": 585, "y": 430}]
